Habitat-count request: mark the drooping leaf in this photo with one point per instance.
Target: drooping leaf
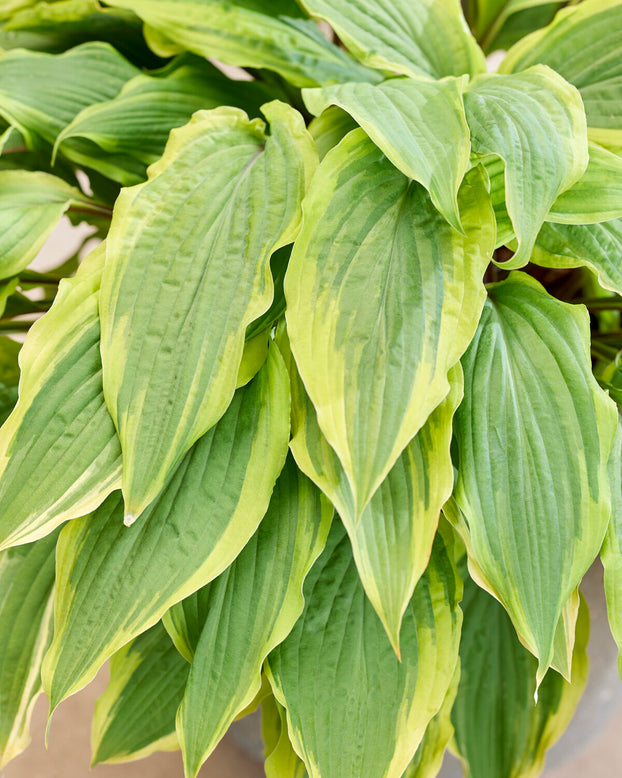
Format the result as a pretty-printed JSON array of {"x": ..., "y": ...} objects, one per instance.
[
  {"x": 59, "y": 452},
  {"x": 533, "y": 433},
  {"x": 611, "y": 552},
  {"x": 429, "y": 754},
  {"x": 31, "y": 205},
  {"x": 375, "y": 260},
  {"x": 414, "y": 122},
  {"x": 26, "y": 587},
  {"x": 583, "y": 45},
  {"x": 500, "y": 732},
  {"x": 330, "y": 128},
  {"x": 597, "y": 246},
  {"x": 30, "y": 97},
  {"x": 281, "y": 759},
  {"x": 232, "y": 198},
  {"x": 135, "y": 715},
  {"x": 122, "y": 136},
  {"x": 392, "y": 541},
  {"x": 9, "y": 376},
  {"x": 114, "y": 582},
  {"x": 514, "y": 117},
  {"x": 248, "y": 33},
  {"x": 249, "y": 610},
  {"x": 411, "y": 37},
  {"x": 338, "y": 660}
]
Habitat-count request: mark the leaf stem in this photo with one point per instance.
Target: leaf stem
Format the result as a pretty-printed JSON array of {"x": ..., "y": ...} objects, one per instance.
[{"x": 600, "y": 303}]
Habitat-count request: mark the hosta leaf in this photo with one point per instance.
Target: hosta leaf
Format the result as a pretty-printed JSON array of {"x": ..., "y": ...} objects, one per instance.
[
  {"x": 120, "y": 137},
  {"x": 597, "y": 246},
  {"x": 413, "y": 122},
  {"x": 135, "y": 715},
  {"x": 59, "y": 452},
  {"x": 500, "y": 732},
  {"x": 31, "y": 205},
  {"x": 329, "y": 128},
  {"x": 249, "y": 33},
  {"x": 375, "y": 260},
  {"x": 26, "y": 587},
  {"x": 583, "y": 45},
  {"x": 281, "y": 759},
  {"x": 250, "y": 609},
  {"x": 30, "y": 97},
  {"x": 494, "y": 15},
  {"x": 429, "y": 755},
  {"x": 392, "y": 541},
  {"x": 514, "y": 117},
  {"x": 413, "y": 37},
  {"x": 338, "y": 660},
  {"x": 9, "y": 376},
  {"x": 534, "y": 528},
  {"x": 232, "y": 198},
  {"x": 114, "y": 582},
  {"x": 611, "y": 553}
]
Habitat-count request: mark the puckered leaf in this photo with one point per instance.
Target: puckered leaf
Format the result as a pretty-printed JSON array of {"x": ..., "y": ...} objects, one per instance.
[
  {"x": 374, "y": 261},
  {"x": 135, "y": 715},
  {"x": 500, "y": 732},
  {"x": 583, "y": 45},
  {"x": 250, "y": 609},
  {"x": 281, "y": 759},
  {"x": 597, "y": 246},
  {"x": 414, "y": 122},
  {"x": 338, "y": 660},
  {"x": 248, "y": 33},
  {"x": 232, "y": 197},
  {"x": 515, "y": 117},
  {"x": 59, "y": 452},
  {"x": 31, "y": 204},
  {"x": 120, "y": 137},
  {"x": 392, "y": 541},
  {"x": 534, "y": 527},
  {"x": 114, "y": 582},
  {"x": 413, "y": 37},
  {"x": 26, "y": 587},
  {"x": 611, "y": 553},
  {"x": 30, "y": 96}
]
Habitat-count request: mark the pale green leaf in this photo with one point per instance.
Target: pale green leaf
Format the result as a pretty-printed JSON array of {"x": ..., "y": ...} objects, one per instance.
[
  {"x": 429, "y": 755},
  {"x": 383, "y": 298},
  {"x": 583, "y": 45},
  {"x": 414, "y": 122},
  {"x": 59, "y": 452},
  {"x": 135, "y": 715},
  {"x": 329, "y": 128},
  {"x": 120, "y": 137},
  {"x": 232, "y": 198},
  {"x": 250, "y": 609},
  {"x": 530, "y": 399},
  {"x": 338, "y": 660},
  {"x": 392, "y": 541},
  {"x": 26, "y": 588},
  {"x": 516, "y": 117},
  {"x": 281, "y": 759},
  {"x": 500, "y": 732},
  {"x": 411, "y": 37},
  {"x": 114, "y": 582},
  {"x": 597, "y": 246},
  {"x": 249, "y": 33},
  {"x": 31, "y": 204},
  {"x": 30, "y": 95},
  {"x": 611, "y": 552}
]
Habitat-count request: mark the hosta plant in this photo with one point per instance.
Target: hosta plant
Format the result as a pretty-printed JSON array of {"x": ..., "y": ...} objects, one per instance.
[{"x": 327, "y": 420}]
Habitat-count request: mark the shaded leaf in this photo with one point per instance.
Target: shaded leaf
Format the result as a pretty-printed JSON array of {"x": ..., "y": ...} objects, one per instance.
[
  {"x": 114, "y": 582},
  {"x": 530, "y": 399},
  {"x": 9, "y": 376},
  {"x": 373, "y": 261},
  {"x": 281, "y": 759},
  {"x": 135, "y": 715},
  {"x": 500, "y": 731},
  {"x": 329, "y": 128},
  {"x": 250, "y": 609},
  {"x": 232, "y": 198},
  {"x": 514, "y": 117}
]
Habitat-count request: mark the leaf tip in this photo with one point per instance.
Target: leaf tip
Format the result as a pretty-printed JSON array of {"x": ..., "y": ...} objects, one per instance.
[{"x": 129, "y": 518}]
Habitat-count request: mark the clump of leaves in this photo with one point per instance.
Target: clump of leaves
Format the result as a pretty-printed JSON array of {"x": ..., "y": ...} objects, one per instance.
[{"x": 298, "y": 421}]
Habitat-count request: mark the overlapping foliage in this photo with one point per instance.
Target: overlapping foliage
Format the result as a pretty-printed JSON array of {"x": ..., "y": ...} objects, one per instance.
[{"x": 327, "y": 382}]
